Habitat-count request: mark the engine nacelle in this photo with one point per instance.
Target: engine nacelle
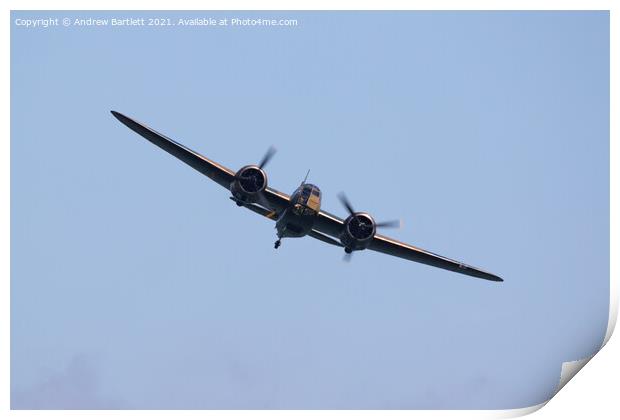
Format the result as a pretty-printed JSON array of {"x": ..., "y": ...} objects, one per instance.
[
  {"x": 359, "y": 229},
  {"x": 249, "y": 182}
]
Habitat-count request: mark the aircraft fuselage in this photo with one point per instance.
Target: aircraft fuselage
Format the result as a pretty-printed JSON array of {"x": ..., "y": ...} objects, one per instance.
[{"x": 298, "y": 219}]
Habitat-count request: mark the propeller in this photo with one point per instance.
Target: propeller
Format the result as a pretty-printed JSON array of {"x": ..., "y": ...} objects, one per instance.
[
  {"x": 386, "y": 224},
  {"x": 347, "y": 205},
  {"x": 264, "y": 161},
  {"x": 396, "y": 224},
  {"x": 268, "y": 155},
  {"x": 260, "y": 197}
]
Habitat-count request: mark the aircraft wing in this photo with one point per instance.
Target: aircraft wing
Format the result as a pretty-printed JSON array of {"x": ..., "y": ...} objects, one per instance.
[
  {"x": 220, "y": 174},
  {"x": 215, "y": 171},
  {"x": 390, "y": 246},
  {"x": 332, "y": 225}
]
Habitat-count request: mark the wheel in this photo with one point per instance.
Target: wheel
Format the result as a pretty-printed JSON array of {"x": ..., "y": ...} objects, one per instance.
[
  {"x": 277, "y": 244},
  {"x": 348, "y": 250}
]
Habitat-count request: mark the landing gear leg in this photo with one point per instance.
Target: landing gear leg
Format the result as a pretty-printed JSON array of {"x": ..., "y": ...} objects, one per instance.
[{"x": 280, "y": 234}]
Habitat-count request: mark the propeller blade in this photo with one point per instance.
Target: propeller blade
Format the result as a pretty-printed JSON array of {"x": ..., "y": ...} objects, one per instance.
[
  {"x": 270, "y": 152},
  {"x": 347, "y": 257},
  {"x": 346, "y": 203},
  {"x": 389, "y": 224}
]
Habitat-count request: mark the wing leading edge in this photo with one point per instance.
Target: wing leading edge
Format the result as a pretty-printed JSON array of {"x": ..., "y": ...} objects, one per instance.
[
  {"x": 390, "y": 246},
  {"x": 213, "y": 170}
]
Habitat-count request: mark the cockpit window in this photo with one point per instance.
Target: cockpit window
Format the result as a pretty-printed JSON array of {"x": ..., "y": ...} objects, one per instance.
[{"x": 316, "y": 193}]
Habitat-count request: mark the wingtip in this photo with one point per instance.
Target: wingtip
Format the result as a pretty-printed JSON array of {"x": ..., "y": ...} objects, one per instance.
[
  {"x": 487, "y": 276},
  {"x": 123, "y": 118},
  {"x": 476, "y": 272}
]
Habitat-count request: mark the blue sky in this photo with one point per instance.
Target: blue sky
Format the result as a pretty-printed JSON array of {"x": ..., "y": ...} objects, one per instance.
[{"x": 136, "y": 283}]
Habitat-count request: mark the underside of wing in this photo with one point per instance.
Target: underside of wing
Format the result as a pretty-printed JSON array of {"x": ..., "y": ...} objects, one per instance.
[
  {"x": 329, "y": 224},
  {"x": 398, "y": 249},
  {"x": 213, "y": 170},
  {"x": 277, "y": 200},
  {"x": 324, "y": 238},
  {"x": 269, "y": 214}
]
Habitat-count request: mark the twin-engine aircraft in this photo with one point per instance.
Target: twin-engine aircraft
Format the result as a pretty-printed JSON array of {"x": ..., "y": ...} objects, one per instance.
[{"x": 300, "y": 214}]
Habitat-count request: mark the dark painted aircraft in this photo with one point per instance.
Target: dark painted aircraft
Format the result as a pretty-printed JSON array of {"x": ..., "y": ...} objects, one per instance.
[{"x": 300, "y": 214}]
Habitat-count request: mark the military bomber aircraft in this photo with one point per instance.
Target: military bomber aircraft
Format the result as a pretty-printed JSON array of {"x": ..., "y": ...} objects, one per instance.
[{"x": 300, "y": 214}]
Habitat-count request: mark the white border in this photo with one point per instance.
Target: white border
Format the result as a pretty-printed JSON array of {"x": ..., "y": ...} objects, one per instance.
[{"x": 569, "y": 368}]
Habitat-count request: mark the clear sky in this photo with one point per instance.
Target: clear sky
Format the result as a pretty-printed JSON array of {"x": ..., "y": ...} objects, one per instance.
[{"x": 137, "y": 283}]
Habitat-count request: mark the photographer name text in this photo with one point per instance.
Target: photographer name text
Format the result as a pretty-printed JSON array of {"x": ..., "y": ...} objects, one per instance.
[{"x": 45, "y": 23}]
